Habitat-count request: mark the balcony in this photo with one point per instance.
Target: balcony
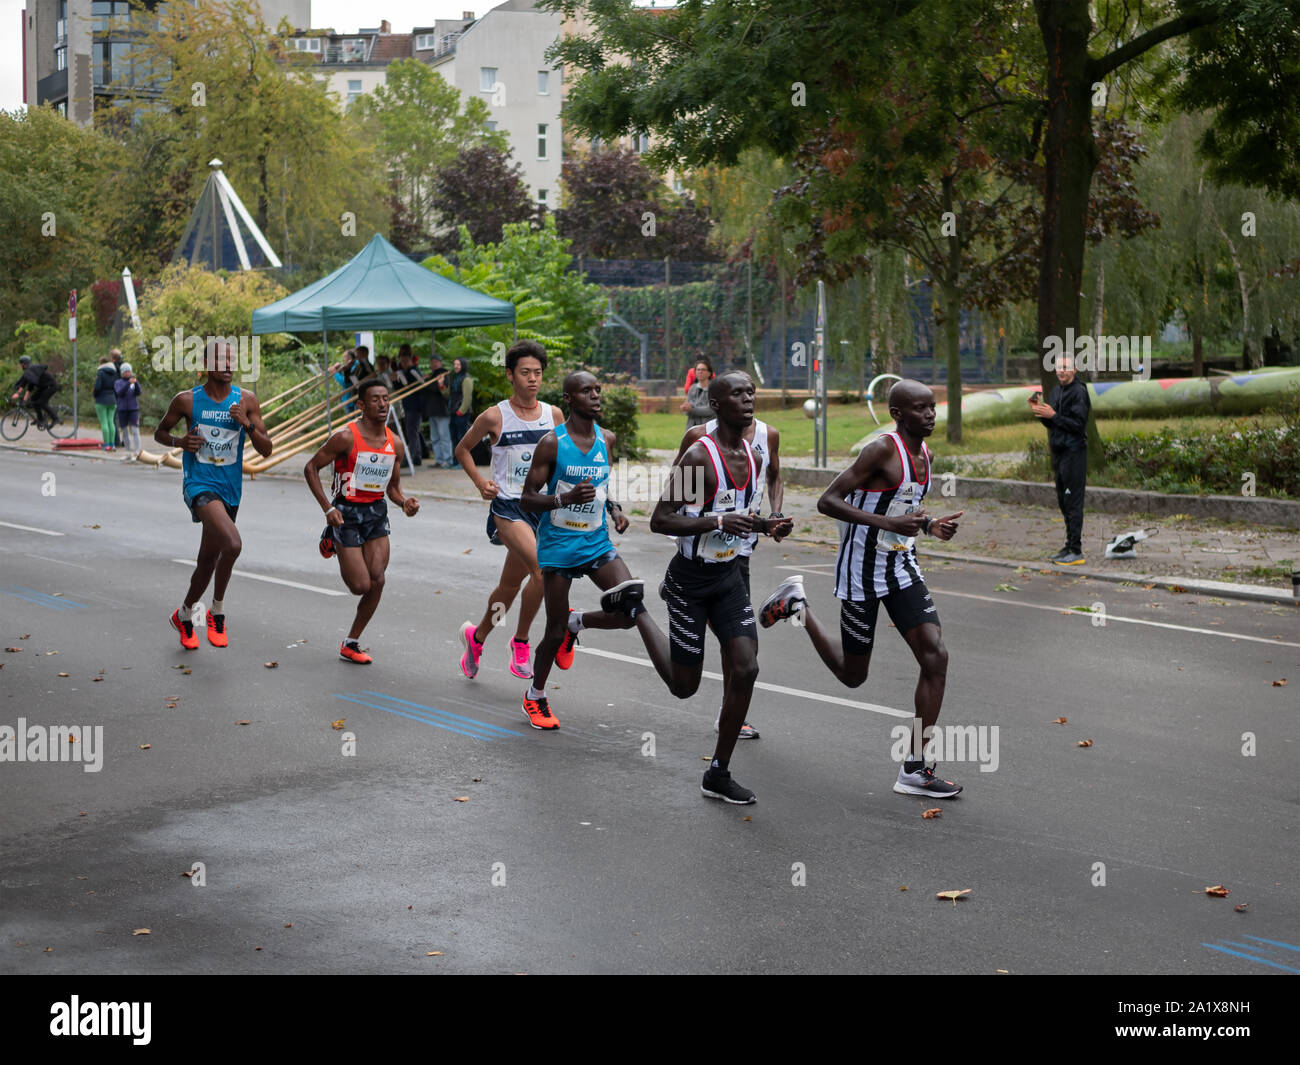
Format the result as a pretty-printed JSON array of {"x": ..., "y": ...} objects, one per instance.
[{"x": 52, "y": 87}]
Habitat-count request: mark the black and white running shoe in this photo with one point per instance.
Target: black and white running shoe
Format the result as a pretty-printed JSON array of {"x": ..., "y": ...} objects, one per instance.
[
  {"x": 719, "y": 785},
  {"x": 786, "y": 601},
  {"x": 623, "y": 597},
  {"x": 924, "y": 782}
]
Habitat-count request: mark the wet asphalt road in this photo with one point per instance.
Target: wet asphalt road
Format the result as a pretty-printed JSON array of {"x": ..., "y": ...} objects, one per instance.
[{"x": 576, "y": 851}]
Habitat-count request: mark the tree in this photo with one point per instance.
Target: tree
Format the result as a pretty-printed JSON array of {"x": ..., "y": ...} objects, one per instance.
[
  {"x": 483, "y": 191},
  {"x": 51, "y": 185},
  {"x": 218, "y": 83},
  {"x": 419, "y": 124},
  {"x": 616, "y": 207}
]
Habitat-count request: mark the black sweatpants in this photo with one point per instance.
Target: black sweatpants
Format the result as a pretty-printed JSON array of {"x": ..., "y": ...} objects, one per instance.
[
  {"x": 411, "y": 430},
  {"x": 1071, "y": 468}
]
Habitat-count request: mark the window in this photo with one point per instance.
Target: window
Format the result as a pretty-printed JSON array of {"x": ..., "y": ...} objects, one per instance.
[
  {"x": 487, "y": 79},
  {"x": 100, "y": 73},
  {"x": 305, "y": 44},
  {"x": 543, "y": 83},
  {"x": 61, "y": 23},
  {"x": 595, "y": 144},
  {"x": 491, "y": 125},
  {"x": 353, "y": 50},
  {"x": 541, "y": 196},
  {"x": 640, "y": 142},
  {"x": 61, "y": 58},
  {"x": 354, "y": 88},
  {"x": 425, "y": 42},
  {"x": 541, "y": 140},
  {"x": 62, "y": 108}
]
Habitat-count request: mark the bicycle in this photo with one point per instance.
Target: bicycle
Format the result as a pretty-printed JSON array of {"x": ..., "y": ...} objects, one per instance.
[{"x": 15, "y": 420}]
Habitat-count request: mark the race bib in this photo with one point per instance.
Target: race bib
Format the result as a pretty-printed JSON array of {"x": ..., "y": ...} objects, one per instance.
[
  {"x": 719, "y": 546},
  {"x": 901, "y": 504},
  {"x": 372, "y": 471},
  {"x": 580, "y": 517},
  {"x": 220, "y": 445},
  {"x": 517, "y": 472}
]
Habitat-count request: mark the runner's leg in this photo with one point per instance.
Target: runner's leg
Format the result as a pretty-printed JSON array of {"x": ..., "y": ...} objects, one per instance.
[
  {"x": 556, "y": 587},
  {"x": 219, "y": 537},
  {"x": 849, "y": 669},
  {"x": 521, "y": 563},
  {"x": 741, "y": 652},
  {"x": 926, "y": 642},
  {"x": 682, "y": 680},
  {"x": 372, "y": 559}
]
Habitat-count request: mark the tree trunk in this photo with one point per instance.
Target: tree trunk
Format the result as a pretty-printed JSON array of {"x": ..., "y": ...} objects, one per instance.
[
  {"x": 1198, "y": 358},
  {"x": 1098, "y": 311},
  {"x": 952, "y": 319}
]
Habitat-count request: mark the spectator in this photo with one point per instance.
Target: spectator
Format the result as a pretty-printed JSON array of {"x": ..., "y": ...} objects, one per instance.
[
  {"x": 127, "y": 390},
  {"x": 460, "y": 400},
  {"x": 690, "y": 373},
  {"x": 106, "y": 400},
  {"x": 413, "y": 405},
  {"x": 435, "y": 406},
  {"x": 384, "y": 371},
  {"x": 36, "y": 385},
  {"x": 696, "y": 406},
  {"x": 1066, "y": 418},
  {"x": 116, "y": 353}
]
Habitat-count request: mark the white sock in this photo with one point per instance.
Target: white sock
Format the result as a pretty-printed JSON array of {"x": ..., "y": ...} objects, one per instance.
[
  {"x": 575, "y": 621},
  {"x": 534, "y": 693},
  {"x": 218, "y": 607},
  {"x": 354, "y": 643}
]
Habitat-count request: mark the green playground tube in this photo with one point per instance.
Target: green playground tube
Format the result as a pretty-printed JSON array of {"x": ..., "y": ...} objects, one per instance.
[{"x": 1244, "y": 393}]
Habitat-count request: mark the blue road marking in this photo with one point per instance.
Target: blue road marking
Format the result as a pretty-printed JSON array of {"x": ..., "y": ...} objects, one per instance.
[
  {"x": 1250, "y": 957},
  {"x": 472, "y": 722},
  {"x": 463, "y": 726},
  {"x": 30, "y": 595},
  {"x": 1275, "y": 943}
]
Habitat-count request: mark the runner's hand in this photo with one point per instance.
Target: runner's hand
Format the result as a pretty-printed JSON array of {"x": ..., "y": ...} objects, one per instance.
[
  {"x": 191, "y": 441},
  {"x": 907, "y": 524},
  {"x": 582, "y": 493},
  {"x": 779, "y": 527},
  {"x": 738, "y": 524},
  {"x": 334, "y": 517},
  {"x": 621, "y": 521},
  {"x": 237, "y": 412},
  {"x": 946, "y": 528},
  {"x": 410, "y": 507},
  {"x": 489, "y": 490}
]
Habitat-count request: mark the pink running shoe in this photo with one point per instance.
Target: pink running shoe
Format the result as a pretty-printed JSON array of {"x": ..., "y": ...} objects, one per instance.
[
  {"x": 519, "y": 659},
  {"x": 473, "y": 650}
]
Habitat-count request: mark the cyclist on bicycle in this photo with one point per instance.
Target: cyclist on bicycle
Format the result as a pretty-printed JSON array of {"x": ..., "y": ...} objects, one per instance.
[{"x": 36, "y": 386}]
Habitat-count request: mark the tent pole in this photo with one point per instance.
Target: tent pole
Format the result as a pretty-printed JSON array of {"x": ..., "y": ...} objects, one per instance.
[{"x": 325, "y": 372}]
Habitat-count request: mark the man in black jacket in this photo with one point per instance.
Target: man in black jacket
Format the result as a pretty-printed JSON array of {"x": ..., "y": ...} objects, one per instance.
[
  {"x": 1066, "y": 418},
  {"x": 36, "y": 385}
]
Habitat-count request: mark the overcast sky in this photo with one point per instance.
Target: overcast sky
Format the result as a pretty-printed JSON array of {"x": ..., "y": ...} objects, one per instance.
[{"x": 343, "y": 15}]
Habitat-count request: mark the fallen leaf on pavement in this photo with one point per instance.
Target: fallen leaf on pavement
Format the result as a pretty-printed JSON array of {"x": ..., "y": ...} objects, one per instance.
[
  {"x": 476, "y": 780},
  {"x": 141, "y": 932},
  {"x": 954, "y": 895},
  {"x": 188, "y": 872},
  {"x": 72, "y": 739},
  {"x": 257, "y": 948},
  {"x": 271, "y": 665},
  {"x": 1218, "y": 891},
  {"x": 1085, "y": 743},
  {"x": 1280, "y": 683},
  {"x": 432, "y": 953},
  {"x": 336, "y": 725},
  {"x": 461, "y": 798},
  {"x": 64, "y": 674},
  {"x": 1242, "y": 907},
  {"x": 903, "y": 888},
  {"x": 100, "y": 678},
  {"x": 25, "y": 636},
  {"x": 49, "y": 950},
  {"x": 243, "y": 722},
  {"x": 749, "y": 818},
  {"x": 930, "y": 815},
  {"x": 467, "y": 551},
  {"x": 47, "y": 652},
  {"x": 1177, "y": 589},
  {"x": 289, "y": 925},
  {"x": 184, "y": 672},
  {"x": 13, "y": 650},
  {"x": 1059, "y": 720},
  {"x": 145, "y": 746}
]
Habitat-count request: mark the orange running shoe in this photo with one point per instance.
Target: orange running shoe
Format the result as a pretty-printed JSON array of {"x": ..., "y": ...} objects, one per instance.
[
  {"x": 186, "y": 628},
  {"x": 354, "y": 654},
  {"x": 216, "y": 630},
  {"x": 539, "y": 713},
  {"x": 564, "y": 656}
]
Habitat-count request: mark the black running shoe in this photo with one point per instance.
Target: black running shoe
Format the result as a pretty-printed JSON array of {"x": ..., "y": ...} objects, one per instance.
[
  {"x": 623, "y": 597},
  {"x": 1070, "y": 558},
  {"x": 924, "y": 782},
  {"x": 1059, "y": 555},
  {"x": 719, "y": 785}
]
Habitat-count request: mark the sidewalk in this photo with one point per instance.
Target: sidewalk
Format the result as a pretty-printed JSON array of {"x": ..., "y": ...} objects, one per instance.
[{"x": 1219, "y": 558}]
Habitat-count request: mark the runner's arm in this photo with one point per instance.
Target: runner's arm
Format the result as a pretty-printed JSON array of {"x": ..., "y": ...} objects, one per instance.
[
  {"x": 335, "y": 447},
  {"x": 532, "y": 496},
  {"x": 181, "y": 406},
  {"x": 409, "y": 504},
  {"x": 252, "y": 422},
  {"x": 612, "y": 506},
  {"x": 486, "y": 424},
  {"x": 870, "y": 461},
  {"x": 667, "y": 521}
]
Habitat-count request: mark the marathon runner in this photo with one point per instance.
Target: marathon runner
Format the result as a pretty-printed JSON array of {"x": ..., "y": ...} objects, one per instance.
[
  {"x": 515, "y": 426},
  {"x": 219, "y": 416},
  {"x": 367, "y": 460},
  {"x": 878, "y": 501}
]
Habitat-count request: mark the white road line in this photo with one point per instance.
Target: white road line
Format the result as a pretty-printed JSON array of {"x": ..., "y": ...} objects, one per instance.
[
  {"x": 780, "y": 689},
  {"x": 813, "y": 566},
  {"x": 30, "y": 528},
  {"x": 271, "y": 580},
  {"x": 1131, "y": 621},
  {"x": 61, "y": 562}
]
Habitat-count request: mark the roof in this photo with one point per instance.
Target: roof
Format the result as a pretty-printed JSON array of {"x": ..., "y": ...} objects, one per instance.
[{"x": 381, "y": 289}]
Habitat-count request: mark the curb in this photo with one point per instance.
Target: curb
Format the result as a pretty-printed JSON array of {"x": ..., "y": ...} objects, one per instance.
[
  {"x": 1281, "y": 512},
  {"x": 1256, "y": 593}
]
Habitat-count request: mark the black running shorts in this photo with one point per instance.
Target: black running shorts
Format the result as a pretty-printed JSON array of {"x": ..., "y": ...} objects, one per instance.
[
  {"x": 204, "y": 498},
  {"x": 700, "y": 594},
  {"x": 509, "y": 510},
  {"x": 361, "y": 522},
  {"x": 908, "y": 608}
]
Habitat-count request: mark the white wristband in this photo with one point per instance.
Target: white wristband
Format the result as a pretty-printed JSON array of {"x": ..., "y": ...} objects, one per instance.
[
  {"x": 719, "y": 523},
  {"x": 327, "y": 513}
]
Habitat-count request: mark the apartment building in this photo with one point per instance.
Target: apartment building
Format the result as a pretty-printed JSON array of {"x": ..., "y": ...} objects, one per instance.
[{"x": 78, "y": 54}]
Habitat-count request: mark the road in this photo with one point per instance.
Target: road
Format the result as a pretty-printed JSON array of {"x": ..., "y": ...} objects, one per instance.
[{"x": 578, "y": 851}]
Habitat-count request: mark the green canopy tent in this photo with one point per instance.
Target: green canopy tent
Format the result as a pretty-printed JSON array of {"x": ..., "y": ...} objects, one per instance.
[{"x": 379, "y": 289}]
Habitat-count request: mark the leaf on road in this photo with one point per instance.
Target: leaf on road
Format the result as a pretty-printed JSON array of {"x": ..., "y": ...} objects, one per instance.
[
  {"x": 1085, "y": 743},
  {"x": 1006, "y": 587},
  {"x": 477, "y": 780},
  {"x": 243, "y": 722},
  {"x": 25, "y": 636},
  {"x": 1177, "y": 589},
  {"x": 1280, "y": 683},
  {"x": 461, "y": 798},
  {"x": 271, "y": 665},
  {"x": 289, "y": 925},
  {"x": 336, "y": 725},
  {"x": 72, "y": 739},
  {"x": 141, "y": 932},
  {"x": 257, "y": 948},
  {"x": 1242, "y": 907},
  {"x": 145, "y": 746},
  {"x": 1059, "y": 720},
  {"x": 48, "y": 652},
  {"x": 954, "y": 895},
  {"x": 930, "y": 815},
  {"x": 178, "y": 667},
  {"x": 467, "y": 551},
  {"x": 747, "y": 818},
  {"x": 184, "y": 672},
  {"x": 99, "y": 678},
  {"x": 903, "y": 887},
  {"x": 65, "y": 674},
  {"x": 432, "y": 953},
  {"x": 188, "y": 872},
  {"x": 13, "y": 650},
  {"x": 1218, "y": 891}
]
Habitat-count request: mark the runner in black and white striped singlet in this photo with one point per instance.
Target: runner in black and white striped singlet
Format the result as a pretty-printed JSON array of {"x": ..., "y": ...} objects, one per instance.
[{"x": 879, "y": 503}]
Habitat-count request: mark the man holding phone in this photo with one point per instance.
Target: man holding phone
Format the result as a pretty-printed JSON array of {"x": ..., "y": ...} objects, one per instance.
[{"x": 1066, "y": 418}]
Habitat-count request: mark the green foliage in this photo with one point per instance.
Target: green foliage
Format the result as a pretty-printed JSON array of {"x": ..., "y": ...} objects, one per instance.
[{"x": 44, "y": 343}]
